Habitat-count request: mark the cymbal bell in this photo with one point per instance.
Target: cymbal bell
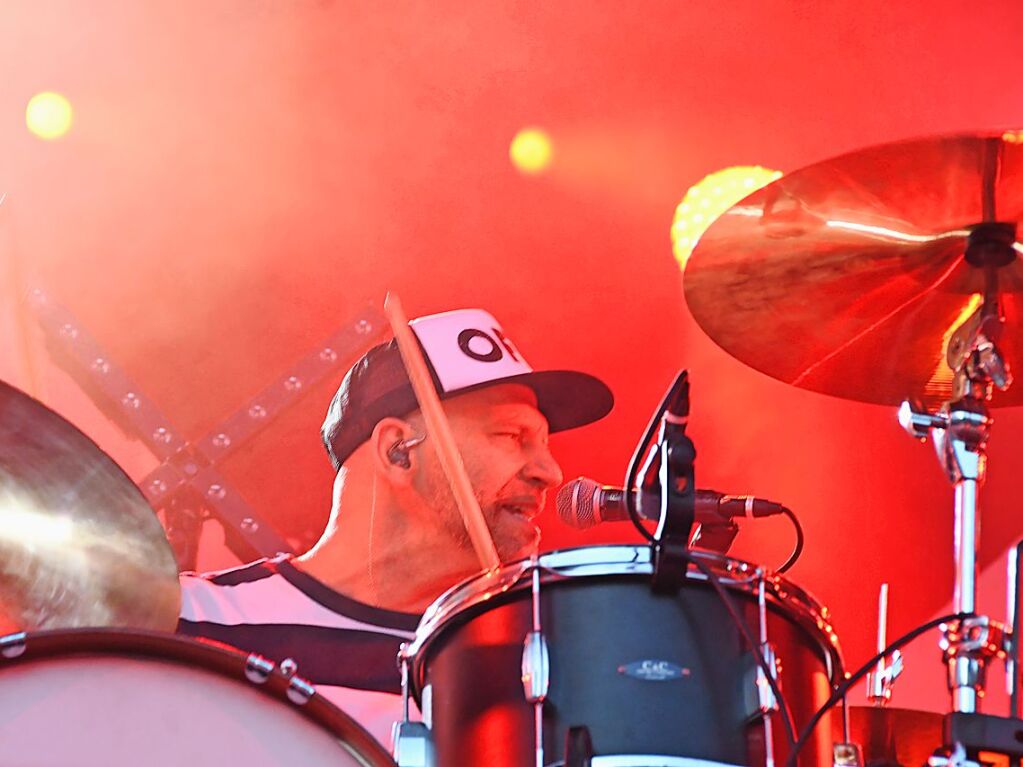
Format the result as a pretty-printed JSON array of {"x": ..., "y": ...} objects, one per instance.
[
  {"x": 79, "y": 545},
  {"x": 848, "y": 277}
]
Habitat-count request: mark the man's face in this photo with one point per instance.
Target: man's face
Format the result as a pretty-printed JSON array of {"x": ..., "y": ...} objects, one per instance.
[{"x": 502, "y": 438}]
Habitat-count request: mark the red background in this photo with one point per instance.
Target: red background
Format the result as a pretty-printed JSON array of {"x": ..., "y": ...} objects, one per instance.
[{"x": 243, "y": 176}]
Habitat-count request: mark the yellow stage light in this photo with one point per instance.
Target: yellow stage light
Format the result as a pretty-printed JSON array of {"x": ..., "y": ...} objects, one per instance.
[
  {"x": 48, "y": 115},
  {"x": 531, "y": 150},
  {"x": 708, "y": 199}
]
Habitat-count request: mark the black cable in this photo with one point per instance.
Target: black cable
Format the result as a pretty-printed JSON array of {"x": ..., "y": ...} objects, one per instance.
[
  {"x": 842, "y": 690},
  {"x": 740, "y": 623},
  {"x": 678, "y": 386},
  {"x": 798, "y": 548},
  {"x": 630, "y": 475}
]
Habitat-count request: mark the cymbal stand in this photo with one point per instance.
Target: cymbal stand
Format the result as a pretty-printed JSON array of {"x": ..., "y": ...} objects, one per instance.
[{"x": 959, "y": 431}]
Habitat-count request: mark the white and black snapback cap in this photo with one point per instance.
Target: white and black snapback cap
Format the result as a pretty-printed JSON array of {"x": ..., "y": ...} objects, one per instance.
[{"x": 464, "y": 350}]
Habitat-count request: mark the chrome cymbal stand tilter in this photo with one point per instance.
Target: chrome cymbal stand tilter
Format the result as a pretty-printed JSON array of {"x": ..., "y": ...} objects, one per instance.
[{"x": 959, "y": 431}]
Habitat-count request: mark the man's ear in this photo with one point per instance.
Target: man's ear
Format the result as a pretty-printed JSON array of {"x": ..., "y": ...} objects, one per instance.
[{"x": 393, "y": 457}]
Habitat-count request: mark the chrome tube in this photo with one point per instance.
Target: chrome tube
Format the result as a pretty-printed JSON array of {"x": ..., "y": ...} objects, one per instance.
[
  {"x": 766, "y": 649},
  {"x": 965, "y": 595}
]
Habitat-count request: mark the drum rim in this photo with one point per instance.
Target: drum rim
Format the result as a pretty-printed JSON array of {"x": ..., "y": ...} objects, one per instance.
[
  {"x": 225, "y": 660},
  {"x": 611, "y": 560}
]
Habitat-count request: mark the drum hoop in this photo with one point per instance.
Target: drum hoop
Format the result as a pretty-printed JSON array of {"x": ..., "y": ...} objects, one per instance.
[
  {"x": 213, "y": 656},
  {"x": 612, "y": 560}
]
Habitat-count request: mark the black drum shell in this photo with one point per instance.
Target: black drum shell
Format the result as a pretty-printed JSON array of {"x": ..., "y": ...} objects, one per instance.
[{"x": 596, "y": 626}]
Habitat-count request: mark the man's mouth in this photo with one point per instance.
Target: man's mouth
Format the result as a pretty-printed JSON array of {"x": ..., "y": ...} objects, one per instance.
[{"x": 525, "y": 508}]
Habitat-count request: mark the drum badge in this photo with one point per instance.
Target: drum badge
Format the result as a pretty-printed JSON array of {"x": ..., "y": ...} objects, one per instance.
[{"x": 654, "y": 670}]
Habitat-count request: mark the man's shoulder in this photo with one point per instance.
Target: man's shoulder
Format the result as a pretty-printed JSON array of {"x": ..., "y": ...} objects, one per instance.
[
  {"x": 234, "y": 576},
  {"x": 273, "y": 608},
  {"x": 235, "y": 595},
  {"x": 274, "y": 591}
]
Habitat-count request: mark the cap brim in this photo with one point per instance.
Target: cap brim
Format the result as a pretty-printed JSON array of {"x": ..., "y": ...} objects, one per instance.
[{"x": 567, "y": 398}]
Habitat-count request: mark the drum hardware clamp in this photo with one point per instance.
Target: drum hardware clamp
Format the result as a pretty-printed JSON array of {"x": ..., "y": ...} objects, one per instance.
[
  {"x": 767, "y": 701},
  {"x": 536, "y": 671},
  {"x": 300, "y": 690},
  {"x": 413, "y": 742},
  {"x": 879, "y": 687},
  {"x": 956, "y": 758},
  {"x": 881, "y": 679},
  {"x": 13, "y": 645},
  {"x": 847, "y": 755},
  {"x": 968, "y": 645},
  {"x": 258, "y": 668}
]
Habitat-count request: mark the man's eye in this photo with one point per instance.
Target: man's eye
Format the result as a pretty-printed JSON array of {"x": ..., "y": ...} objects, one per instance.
[{"x": 509, "y": 434}]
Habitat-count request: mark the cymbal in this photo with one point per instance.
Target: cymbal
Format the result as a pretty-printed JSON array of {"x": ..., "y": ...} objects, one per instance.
[
  {"x": 892, "y": 735},
  {"x": 79, "y": 545},
  {"x": 847, "y": 277}
]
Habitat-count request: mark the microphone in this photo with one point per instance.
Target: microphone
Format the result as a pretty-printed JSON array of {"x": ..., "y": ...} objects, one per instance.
[{"x": 582, "y": 503}]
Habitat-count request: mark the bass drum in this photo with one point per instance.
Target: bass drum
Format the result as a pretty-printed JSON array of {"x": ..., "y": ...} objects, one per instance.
[
  {"x": 118, "y": 698},
  {"x": 656, "y": 679}
]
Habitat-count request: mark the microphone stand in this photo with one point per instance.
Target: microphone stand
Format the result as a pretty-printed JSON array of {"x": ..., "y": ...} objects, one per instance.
[{"x": 669, "y": 468}]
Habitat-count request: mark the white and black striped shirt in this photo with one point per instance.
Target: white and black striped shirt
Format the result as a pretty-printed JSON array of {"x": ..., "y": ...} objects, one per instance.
[{"x": 346, "y": 648}]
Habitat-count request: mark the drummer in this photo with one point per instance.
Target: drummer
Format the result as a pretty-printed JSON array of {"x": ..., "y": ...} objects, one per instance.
[{"x": 395, "y": 539}]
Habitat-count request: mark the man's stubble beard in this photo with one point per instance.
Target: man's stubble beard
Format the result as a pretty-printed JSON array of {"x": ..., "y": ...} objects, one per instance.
[{"x": 439, "y": 497}]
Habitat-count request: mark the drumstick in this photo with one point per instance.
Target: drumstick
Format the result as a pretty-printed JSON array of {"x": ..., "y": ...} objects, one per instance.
[{"x": 437, "y": 426}]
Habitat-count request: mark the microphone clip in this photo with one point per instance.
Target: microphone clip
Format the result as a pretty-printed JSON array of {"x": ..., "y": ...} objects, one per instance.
[
  {"x": 716, "y": 536},
  {"x": 675, "y": 456}
]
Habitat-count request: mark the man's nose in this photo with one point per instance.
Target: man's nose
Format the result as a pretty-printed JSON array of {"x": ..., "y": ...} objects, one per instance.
[{"x": 543, "y": 469}]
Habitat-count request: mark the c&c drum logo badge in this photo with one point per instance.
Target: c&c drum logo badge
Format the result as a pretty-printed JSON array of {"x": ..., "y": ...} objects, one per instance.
[{"x": 654, "y": 670}]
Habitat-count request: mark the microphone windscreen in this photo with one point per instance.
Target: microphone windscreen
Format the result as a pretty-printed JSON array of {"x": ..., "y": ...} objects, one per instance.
[{"x": 575, "y": 503}]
